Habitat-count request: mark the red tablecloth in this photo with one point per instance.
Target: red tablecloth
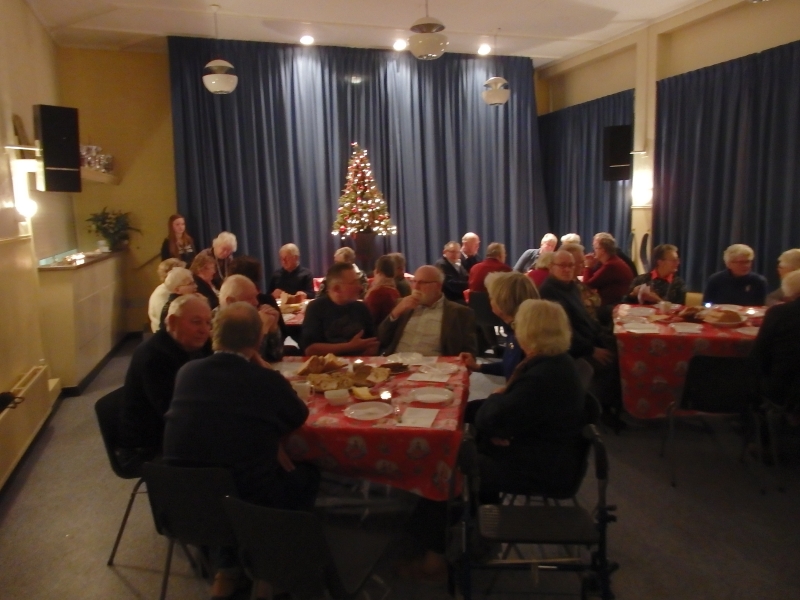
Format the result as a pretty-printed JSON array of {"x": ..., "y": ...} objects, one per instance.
[
  {"x": 414, "y": 459},
  {"x": 653, "y": 365}
]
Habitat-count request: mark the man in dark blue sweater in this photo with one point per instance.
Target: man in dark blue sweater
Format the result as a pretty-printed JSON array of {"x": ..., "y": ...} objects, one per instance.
[{"x": 737, "y": 284}]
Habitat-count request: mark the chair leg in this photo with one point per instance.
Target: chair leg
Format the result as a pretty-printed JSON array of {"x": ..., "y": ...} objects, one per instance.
[
  {"x": 167, "y": 567},
  {"x": 124, "y": 521},
  {"x": 772, "y": 428}
]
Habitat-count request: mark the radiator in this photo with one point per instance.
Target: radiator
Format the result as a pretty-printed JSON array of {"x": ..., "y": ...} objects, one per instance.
[{"x": 19, "y": 426}]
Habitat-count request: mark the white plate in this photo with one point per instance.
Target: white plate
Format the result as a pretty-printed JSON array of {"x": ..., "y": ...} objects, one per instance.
[
  {"x": 748, "y": 330},
  {"x": 687, "y": 327},
  {"x": 633, "y": 320},
  {"x": 406, "y": 358},
  {"x": 432, "y": 395},
  {"x": 641, "y": 328},
  {"x": 733, "y": 307},
  {"x": 369, "y": 411},
  {"x": 439, "y": 368},
  {"x": 640, "y": 311}
]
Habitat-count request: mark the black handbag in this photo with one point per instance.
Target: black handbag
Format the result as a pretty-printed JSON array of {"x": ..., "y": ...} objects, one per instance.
[{"x": 9, "y": 400}]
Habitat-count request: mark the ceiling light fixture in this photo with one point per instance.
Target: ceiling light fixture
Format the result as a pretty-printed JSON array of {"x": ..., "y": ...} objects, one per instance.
[
  {"x": 484, "y": 49},
  {"x": 400, "y": 45},
  {"x": 306, "y": 40},
  {"x": 427, "y": 43},
  {"x": 219, "y": 77}
]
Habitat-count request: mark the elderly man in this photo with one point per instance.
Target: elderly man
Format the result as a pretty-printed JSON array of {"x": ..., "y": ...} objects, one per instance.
[
  {"x": 606, "y": 272},
  {"x": 495, "y": 262},
  {"x": 456, "y": 278},
  {"x": 570, "y": 238},
  {"x": 788, "y": 262},
  {"x": 528, "y": 258},
  {"x": 470, "y": 242},
  {"x": 222, "y": 249},
  {"x": 291, "y": 278},
  {"x": 151, "y": 376},
  {"x": 338, "y": 323},
  {"x": 239, "y": 288},
  {"x": 661, "y": 283},
  {"x": 736, "y": 284},
  {"x": 428, "y": 323}
]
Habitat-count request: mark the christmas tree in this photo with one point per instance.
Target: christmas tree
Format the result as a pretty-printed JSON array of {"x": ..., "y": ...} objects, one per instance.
[{"x": 361, "y": 205}]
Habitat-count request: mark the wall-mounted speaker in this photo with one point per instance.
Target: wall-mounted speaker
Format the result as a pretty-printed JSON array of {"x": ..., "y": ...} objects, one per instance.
[
  {"x": 617, "y": 147},
  {"x": 59, "y": 168}
]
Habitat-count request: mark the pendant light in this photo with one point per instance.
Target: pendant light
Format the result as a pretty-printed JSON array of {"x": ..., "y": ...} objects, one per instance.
[
  {"x": 427, "y": 43},
  {"x": 219, "y": 77}
]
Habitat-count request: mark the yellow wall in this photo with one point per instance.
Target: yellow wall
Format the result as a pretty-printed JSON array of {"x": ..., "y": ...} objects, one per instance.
[{"x": 124, "y": 103}]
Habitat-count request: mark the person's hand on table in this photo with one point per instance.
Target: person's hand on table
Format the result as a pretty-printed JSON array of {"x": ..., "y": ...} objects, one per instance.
[
  {"x": 283, "y": 459},
  {"x": 469, "y": 361},
  {"x": 363, "y": 346},
  {"x": 650, "y": 297},
  {"x": 603, "y": 356},
  {"x": 277, "y": 294},
  {"x": 257, "y": 360},
  {"x": 500, "y": 441},
  {"x": 301, "y": 296},
  {"x": 500, "y": 390},
  {"x": 270, "y": 318}
]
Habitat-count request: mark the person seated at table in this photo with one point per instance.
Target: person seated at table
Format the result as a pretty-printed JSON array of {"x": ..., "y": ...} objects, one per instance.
[
  {"x": 541, "y": 269},
  {"x": 494, "y": 262},
  {"x": 589, "y": 339},
  {"x": 382, "y": 295},
  {"x": 151, "y": 377},
  {"x": 229, "y": 411},
  {"x": 222, "y": 249},
  {"x": 605, "y": 271},
  {"x": 179, "y": 282},
  {"x": 663, "y": 283},
  {"x": 160, "y": 295},
  {"x": 470, "y": 243},
  {"x": 403, "y": 287},
  {"x": 571, "y": 238},
  {"x": 736, "y": 284},
  {"x": 777, "y": 348},
  {"x": 456, "y": 278},
  {"x": 346, "y": 255},
  {"x": 427, "y": 322},
  {"x": 338, "y": 323},
  {"x": 589, "y": 296},
  {"x": 291, "y": 278},
  {"x": 203, "y": 269},
  {"x": 788, "y": 262},
  {"x": 178, "y": 243},
  {"x": 528, "y": 258},
  {"x": 238, "y": 288}
]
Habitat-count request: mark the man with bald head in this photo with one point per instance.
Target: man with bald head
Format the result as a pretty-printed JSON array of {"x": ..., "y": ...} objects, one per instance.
[
  {"x": 238, "y": 288},
  {"x": 528, "y": 258},
  {"x": 470, "y": 243},
  {"x": 427, "y": 322}
]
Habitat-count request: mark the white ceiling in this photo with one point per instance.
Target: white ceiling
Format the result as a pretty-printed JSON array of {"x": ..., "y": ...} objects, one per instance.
[{"x": 545, "y": 30}]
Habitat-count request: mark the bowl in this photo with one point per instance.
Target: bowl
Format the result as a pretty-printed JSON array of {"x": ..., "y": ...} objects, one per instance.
[{"x": 337, "y": 397}]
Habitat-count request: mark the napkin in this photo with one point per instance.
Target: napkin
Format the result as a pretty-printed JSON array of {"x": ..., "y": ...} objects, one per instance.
[
  {"x": 432, "y": 377},
  {"x": 418, "y": 417}
]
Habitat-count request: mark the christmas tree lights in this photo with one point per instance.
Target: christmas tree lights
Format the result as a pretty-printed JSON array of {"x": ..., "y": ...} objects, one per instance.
[{"x": 362, "y": 208}]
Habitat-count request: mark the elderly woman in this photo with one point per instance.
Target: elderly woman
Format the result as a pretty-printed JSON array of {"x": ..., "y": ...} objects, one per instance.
[
  {"x": 204, "y": 268},
  {"x": 590, "y": 297},
  {"x": 529, "y": 433},
  {"x": 507, "y": 291},
  {"x": 661, "y": 283},
  {"x": 222, "y": 249},
  {"x": 179, "y": 281},
  {"x": 736, "y": 284},
  {"x": 788, "y": 262},
  {"x": 382, "y": 294},
  {"x": 347, "y": 256},
  {"x": 178, "y": 243},
  {"x": 160, "y": 295},
  {"x": 541, "y": 269},
  {"x": 605, "y": 271}
]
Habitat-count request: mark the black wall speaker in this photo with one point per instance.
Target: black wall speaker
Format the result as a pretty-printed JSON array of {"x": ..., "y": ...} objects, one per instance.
[
  {"x": 617, "y": 147},
  {"x": 56, "y": 130}
]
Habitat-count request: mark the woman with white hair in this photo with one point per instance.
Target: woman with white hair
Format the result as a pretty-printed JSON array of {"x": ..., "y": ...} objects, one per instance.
[
  {"x": 788, "y": 262},
  {"x": 160, "y": 295},
  {"x": 348, "y": 256},
  {"x": 736, "y": 284},
  {"x": 179, "y": 281},
  {"x": 222, "y": 249}
]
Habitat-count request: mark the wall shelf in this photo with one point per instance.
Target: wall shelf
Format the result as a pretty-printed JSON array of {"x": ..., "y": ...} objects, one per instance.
[{"x": 98, "y": 176}]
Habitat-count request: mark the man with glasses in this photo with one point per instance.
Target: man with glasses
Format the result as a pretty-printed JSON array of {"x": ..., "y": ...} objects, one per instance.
[
  {"x": 456, "y": 278},
  {"x": 736, "y": 284},
  {"x": 661, "y": 283},
  {"x": 338, "y": 323},
  {"x": 427, "y": 322}
]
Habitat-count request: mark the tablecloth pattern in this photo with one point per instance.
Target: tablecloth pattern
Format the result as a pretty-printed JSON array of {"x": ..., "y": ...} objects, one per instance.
[
  {"x": 414, "y": 459},
  {"x": 653, "y": 365}
]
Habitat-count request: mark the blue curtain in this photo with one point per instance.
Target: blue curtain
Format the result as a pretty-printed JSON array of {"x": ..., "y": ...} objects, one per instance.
[
  {"x": 578, "y": 200},
  {"x": 726, "y": 160},
  {"x": 268, "y": 162}
]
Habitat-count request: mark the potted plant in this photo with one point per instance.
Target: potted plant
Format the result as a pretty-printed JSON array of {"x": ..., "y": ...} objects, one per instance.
[{"x": 112, "y": 225}]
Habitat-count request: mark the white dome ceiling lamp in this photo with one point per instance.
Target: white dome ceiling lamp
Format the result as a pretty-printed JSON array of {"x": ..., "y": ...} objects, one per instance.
[
  {"x": 427, "y": 43},
  {"x": 496, "y": 91},
  {"x": 219, "y": 77}
]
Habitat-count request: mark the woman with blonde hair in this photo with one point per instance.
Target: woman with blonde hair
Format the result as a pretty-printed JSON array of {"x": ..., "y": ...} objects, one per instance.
[
  {"x": 204, "y": 268},
  {"x": 178, "y": 243}
]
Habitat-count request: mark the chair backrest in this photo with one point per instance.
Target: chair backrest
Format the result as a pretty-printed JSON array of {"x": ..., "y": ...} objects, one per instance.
[
  {"x": 479, "y": 302},
  {"x": 601, "y": 465},
  {"x": 585, "y": 372},
  {"x": 287, "y": 548},
  {"x": 187, "y": 503},
  {"x": 108, "y": 410},
  {"x": 719, "y": 384}
]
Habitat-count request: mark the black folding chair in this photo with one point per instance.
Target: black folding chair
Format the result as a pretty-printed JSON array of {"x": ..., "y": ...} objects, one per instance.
[
  {"x": 483, "y": 525},
  {"x": 187, "y": 506},
  {"x": 715, "y": 385},
  {"x": 108, "y": 410},
  {"x": 296, "y": 553}
]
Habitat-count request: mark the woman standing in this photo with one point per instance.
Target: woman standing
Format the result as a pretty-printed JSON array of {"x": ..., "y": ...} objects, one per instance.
[{"x": 178, "y": 243}]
